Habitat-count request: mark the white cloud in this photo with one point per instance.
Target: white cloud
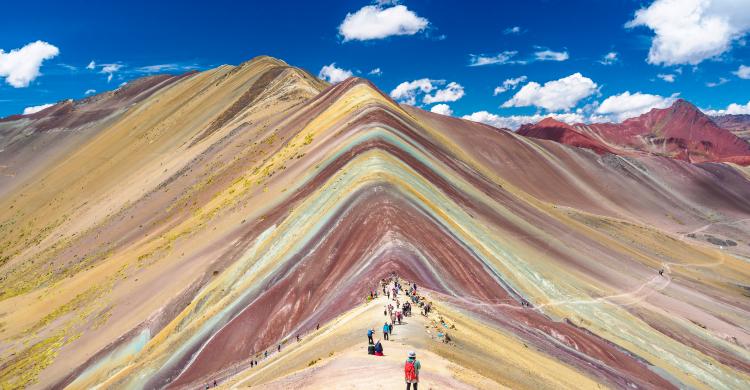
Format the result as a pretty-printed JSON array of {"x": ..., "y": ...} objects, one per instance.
[
  {"x": 375, "y": 72},
  {"x": 626, "y": 105},
  {"x": 549, "y": 55},
  {"x": 609, "y": 58},
  {"x": 89, "y": 92},
  {"x": 500, "y": 58},
  {"x": 690, "y": 31},
  {"x": 91, "y": 65},
  {"x": 513, "y": 122},
  {"x": 406, "y": 92},
  {"x": 21, "y": 66},
  {"x": 452, "y": 92},
  {"x": 732, "y": 109},
  {"x": 173, "y": 67},
  {"x": 666, "y": 77},
  {"x": 509, "y": 84},
  {"x": 378, "y": 22},
  {"x": 743, "y": 72},
  {"x": 442, "y": 109},
  {"x": 515, "y": 30},
  {"x": 334, "y": 75},
  {"x": 110, "y": 70},
  {"x": 721, "y": 81},
  {"x": 562, "y": 94},
  {"x": 35, "y": 109}
]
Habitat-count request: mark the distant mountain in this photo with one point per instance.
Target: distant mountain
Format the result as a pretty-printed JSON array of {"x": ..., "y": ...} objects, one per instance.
[
  {"x": 555, "y": 130},
  {"x": 681, "y": 131},
  {"x": 737, "y": 124}
]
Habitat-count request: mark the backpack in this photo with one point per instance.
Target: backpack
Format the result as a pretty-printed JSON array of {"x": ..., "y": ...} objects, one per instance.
[{"x": 410, "y": 371}]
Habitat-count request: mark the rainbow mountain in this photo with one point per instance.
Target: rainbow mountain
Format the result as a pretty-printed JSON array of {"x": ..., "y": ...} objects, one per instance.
[{"x": 168, "y": 233}]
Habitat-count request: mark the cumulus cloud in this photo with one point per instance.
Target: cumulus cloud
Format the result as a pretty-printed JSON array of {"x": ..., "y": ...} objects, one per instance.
[
  {"x": 732, "y": 109},
  {"x": 515, "y": 30},
  {"x": 513, "y": 122},
  {"x": 509, "y": 84},
  {"x": 89, "y": 92},
  {"x": 110, "y": 70},
  {"x": 378, "y": 22},
  {"x": 91, "y": 65},
  {"x": 691, "y": 31},
  {"x": 452, "y": 92},
  {"x": 442, "y": 109},
  {"x": 549, "y": 55},
  {"x": 407, "y": 91},
  {"x": 609, "y": 58},
  {"x": 500, "y": 58},
  {"x": 721, "y": 81},
  {"x": 743, "y": 72},
  {"x": 375, "y": 72},
  {"x": 333, "y": 74},
  {"x": 562, "y": 94},
  {"x": 626, "y": 105},
  {"x": 21, "y": 66},
  {"x": 667, "y": 77},
  {"x": 35, "y": 109}
]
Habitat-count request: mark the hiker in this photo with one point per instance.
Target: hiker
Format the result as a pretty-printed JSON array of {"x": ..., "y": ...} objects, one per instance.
[
  {"x": 214, "y": 382},
  {"x": 385, "y": 331},
  {"x": 661, "y": 272},
  {"x": 393, "y": 318},
  {"x": 390, "y": 328},
  {"x": 399, "y": 316},
  {"x": 317, "y": 327},
  {"x": 411, "y": 370},
  {"x": 251, "y": 364},
  {"x": 298, "y": 337},
  {"x": 369, "y": 335},
  {"x": 279, "y": 349},
  {"x": 378, "y": 349},
  {"x": 370, "y": 348},
  {"x": 266, "y": 354}
]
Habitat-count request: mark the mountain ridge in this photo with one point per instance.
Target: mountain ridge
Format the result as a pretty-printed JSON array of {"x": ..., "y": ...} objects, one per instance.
[{"x": 157, "y": 254}]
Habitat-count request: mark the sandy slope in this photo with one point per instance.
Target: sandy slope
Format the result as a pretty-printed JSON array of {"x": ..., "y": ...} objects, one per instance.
[{"x": 349, "y": 367}]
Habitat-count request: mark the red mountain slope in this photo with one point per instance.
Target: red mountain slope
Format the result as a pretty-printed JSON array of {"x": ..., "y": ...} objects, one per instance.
[
  {"x": 681, "y": 131},
  {"x": 555, "y": 130}
]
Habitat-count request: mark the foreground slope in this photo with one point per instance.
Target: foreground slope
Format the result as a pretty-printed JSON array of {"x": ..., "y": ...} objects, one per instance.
[{"x": 239, "y": 207}]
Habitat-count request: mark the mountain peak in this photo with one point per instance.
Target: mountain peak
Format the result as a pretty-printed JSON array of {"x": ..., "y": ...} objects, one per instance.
[{"x": 552, "y": 122}]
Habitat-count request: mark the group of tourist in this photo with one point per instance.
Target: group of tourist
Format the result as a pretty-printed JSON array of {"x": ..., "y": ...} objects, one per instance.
[{"x": 395, "y": 314}]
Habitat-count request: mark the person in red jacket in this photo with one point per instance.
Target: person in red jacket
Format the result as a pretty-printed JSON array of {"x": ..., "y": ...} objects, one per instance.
[{"x": 411, "y": 370}]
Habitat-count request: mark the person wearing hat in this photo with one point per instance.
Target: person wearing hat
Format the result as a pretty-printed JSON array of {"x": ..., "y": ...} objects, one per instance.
[{"x": 411, "y": 370}]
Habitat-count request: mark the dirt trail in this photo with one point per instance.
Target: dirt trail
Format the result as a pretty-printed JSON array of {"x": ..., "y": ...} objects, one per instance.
[{"x": 352, "y": 368}]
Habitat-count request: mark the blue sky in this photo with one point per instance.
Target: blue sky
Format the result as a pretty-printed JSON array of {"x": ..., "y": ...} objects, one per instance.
[{"x": 408, "y": 41}]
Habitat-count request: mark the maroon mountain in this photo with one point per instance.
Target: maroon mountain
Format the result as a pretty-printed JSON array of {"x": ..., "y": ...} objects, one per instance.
[
  {"x": 564, "y": 133},
  {"x": 682, "y": 132}
]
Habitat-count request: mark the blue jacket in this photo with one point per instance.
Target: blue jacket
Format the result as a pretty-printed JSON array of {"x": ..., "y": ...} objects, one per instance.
[
  {"x": 386, "y": 328},
  {"x": 369, "y": 332}
]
